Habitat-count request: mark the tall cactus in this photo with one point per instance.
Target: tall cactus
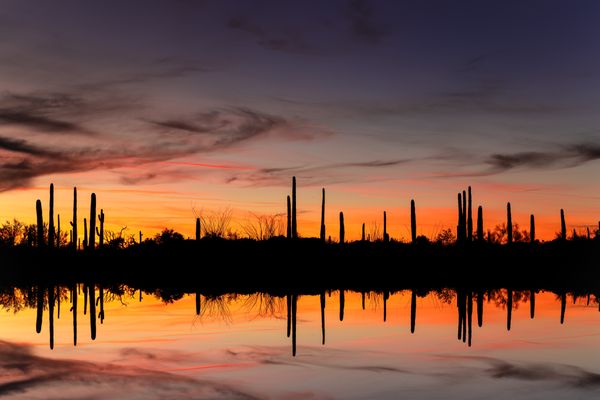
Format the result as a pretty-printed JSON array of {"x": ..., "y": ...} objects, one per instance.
[
  {"x": 92, "y": 235},
  {"x": 74, "y": 222},
  {"x": 322, "y": 231},
  {"x": 509, "y": 226},
  {"x": 363, "y": 232},
  {"x": 289, "y": 218},
  {"x": 459, "y": 225},
  {"x": 85, "y": 234},
  {"x": 532, "y": 228},
  {"x": 51, "y": 218},
  {"x": 58, "y": 231},
  {"x": 294, "y": 219},
  {"x": 197, "y": 229},
  {"x": 563, "y": 225},
  {"x": 40, "y": 223},
  {"x": 100, "y": 231},
  {"x": 342, "y": 229},
  {"x": 413, "y": 221},
  {"x": 470, "y": 217},
  {"x": 385, "y": 234},
  {"x": 464, "y": 214},
  {"x": 480, "y": 224}
]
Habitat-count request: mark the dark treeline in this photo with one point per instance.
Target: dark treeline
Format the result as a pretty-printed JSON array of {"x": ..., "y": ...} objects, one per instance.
[{"x": 508, "y": 256}]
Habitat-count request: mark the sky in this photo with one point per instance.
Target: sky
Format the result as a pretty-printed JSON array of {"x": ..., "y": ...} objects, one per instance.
[{"x": 170, "y": 109}]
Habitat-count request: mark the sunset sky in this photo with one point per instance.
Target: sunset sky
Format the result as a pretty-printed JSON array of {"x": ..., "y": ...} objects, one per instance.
[{"x": 166, "y": 109}]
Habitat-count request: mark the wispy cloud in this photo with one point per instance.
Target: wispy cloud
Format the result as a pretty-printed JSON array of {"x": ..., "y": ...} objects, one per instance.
[
  {"x": 315, "y": 174},
  {"x": 149, "y": 142},
  {"x": 566, "y": 156}
]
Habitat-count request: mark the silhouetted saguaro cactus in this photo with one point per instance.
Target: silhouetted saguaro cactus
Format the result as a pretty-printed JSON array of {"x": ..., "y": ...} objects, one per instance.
[
  {"x": 460, "y": 218},
  {"x": 92, "y": 235},
  {"x": 464, "y": 214},
  {"x": 322, "y": 232},
  {"x": 532, "y": 228},
  {"x": 385, "y": 234},
  {"x": 289, "y": 218},
  {"x": 40, "y": 223},
  {"x": 294, "y": 220},
  {"x": 197, "y": 229},
  {"x": 101, "y": 231},
  {"x": 74, "y": 222},
  {"x": 51, "y": 218},
  {"x": 470, "y": 217},
  {"x": 141, "y": 237},
  {"x": 509, "y": 226},
  {"x": 85, "y": 234},
  {"x": 413, "y": 221},
  {"x": 480, "y": 224},
  {"x": 563, "y": 225},
  {"x": 363, "y": 232},
  {"x": 342, "y": 229},
  {"x": 58, "y": 231},
  {"x": 532, "y": 304}
]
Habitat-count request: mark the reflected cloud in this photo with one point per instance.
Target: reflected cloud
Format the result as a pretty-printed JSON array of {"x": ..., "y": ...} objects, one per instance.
[{"x": 26, "y": 375}]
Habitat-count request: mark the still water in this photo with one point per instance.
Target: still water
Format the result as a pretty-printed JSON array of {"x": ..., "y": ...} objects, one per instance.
[{"x": 238, "y": 348}]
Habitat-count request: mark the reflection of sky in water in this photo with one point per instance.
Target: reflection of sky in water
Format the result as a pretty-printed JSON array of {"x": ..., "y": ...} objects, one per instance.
[{"x": 152, "y": 350}]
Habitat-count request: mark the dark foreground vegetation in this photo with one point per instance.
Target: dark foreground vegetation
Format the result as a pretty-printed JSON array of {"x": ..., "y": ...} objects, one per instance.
[{"x": 274, "y": 258}]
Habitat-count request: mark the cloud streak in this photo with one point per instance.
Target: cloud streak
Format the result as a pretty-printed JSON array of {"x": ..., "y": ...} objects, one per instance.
[{"x": 148, "y": 142}]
